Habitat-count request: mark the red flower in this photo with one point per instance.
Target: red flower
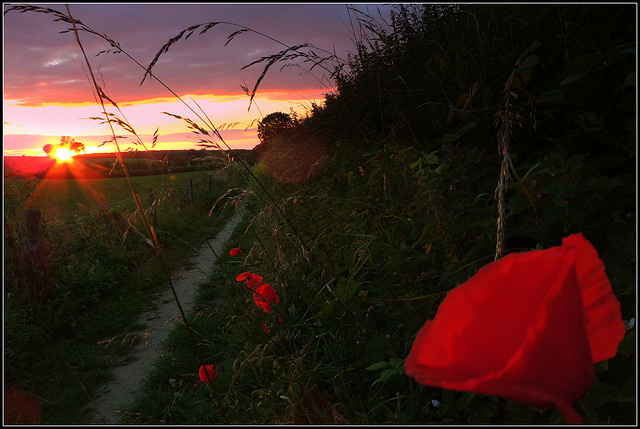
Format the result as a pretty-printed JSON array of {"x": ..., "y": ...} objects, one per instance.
[
  {"x": 209, "y": 369},
  {"x": 20, "y": 408},
  {"x": 253, "y": 280},
  {"x": 528, "y": 327},
  {"x": 265, "y": 296},
  {"x": 235, "y": 252}
]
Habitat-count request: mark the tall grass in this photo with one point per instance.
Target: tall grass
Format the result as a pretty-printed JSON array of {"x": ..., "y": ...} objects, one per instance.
[
  {"x": 96, "y": 278},
  {"x": 432, "y": 111},
  {"x": 408, "y": 210}
]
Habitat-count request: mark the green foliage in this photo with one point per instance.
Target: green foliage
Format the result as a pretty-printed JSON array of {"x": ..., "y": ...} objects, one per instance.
[
  {"x": 87, "y": 282},
  {"x": 407, "y": 211}
]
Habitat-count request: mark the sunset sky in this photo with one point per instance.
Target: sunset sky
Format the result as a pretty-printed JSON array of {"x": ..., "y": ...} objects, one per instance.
[{"x": 47, "y": 93}]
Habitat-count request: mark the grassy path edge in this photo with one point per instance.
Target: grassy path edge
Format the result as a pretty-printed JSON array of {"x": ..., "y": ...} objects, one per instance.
[{"x": 159, "y": 324}]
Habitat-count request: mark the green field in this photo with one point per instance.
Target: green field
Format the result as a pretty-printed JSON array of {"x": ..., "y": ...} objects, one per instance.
[
  {"x": 60, "y": 198},
  {"x": 90, "y": 275}
]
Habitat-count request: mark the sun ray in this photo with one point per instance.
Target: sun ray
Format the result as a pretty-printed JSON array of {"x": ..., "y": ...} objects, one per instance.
[{"x": 66, "y": 167}]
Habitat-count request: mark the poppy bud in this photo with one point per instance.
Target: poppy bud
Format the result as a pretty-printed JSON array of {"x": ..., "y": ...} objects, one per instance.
[{"x": 210, "y": 370}]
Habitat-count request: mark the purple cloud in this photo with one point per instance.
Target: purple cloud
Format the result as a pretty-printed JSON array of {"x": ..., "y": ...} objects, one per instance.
[{"x": 43, "y": 66}]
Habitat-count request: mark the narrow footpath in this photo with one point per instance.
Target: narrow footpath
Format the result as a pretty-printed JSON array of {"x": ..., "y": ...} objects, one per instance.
[{"x": 159, "y": 323}]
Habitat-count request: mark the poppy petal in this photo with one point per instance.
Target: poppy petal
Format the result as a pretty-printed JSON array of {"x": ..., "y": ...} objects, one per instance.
[
  {"x": 519, "y": 329},
  {"x": 265, "y": 296},
  {"x": 604, "y": 323},
  {"x": 211, "y": 370},
  {"x": 253, "y": 280}
]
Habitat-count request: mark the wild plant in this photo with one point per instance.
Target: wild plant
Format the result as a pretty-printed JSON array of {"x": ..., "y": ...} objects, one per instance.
[
  {"x": 394, "y": 261},
  {"x": 112, "y": 119},
  {"x": 409, "y": 214}
]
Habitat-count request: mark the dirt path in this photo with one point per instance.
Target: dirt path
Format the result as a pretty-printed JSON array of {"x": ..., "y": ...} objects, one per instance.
[{"x": 159, "y": 323}]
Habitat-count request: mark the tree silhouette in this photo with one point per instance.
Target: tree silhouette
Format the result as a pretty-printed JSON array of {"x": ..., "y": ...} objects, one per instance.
[
  {"x": 77, "y": 147},
  {"x": 274, "y": 124},
  {"x": 48, "y": 148},
  {"x": 65, "y": 142}
]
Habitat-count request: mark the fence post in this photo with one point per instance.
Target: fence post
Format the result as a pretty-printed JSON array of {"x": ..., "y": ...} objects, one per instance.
[
  {"x": 8, "y": 234},
  {"x": 32, "y": 218},
  {"x": 191, "y": 192},
  {"x": 151, "y": 207}
]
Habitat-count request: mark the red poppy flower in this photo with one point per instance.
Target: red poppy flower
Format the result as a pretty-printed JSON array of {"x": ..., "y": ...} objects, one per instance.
[
  {"x": 265, "y": 296},
  {"x": 20, "y": 408},
  {"x": 253, "y": 280},
  {"x": 209, "y": 369},
  {"x": 235, "y": 252},
  {"x": 528, "y": 327}
]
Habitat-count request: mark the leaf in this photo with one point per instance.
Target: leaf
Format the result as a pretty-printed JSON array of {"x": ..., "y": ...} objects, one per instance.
[
  {"x": 416, "y": 164},
  {"x": 601, "y": 394},
  {"x": 584, "y": 63},
  {"x": 344, "y": 290},
  {"x": 432, "y": 159},
  {"x": 378, "y": 365},
  {"x": 462, "y": 98},
  {"x": 448, "y": 138},
  {"x": 573, "y": 78},
  {"x": 396, "y": 364},
  {"x": 523, "y": 76},
  {"x": 549, "y": 96},
  {"x": 630, "y": 80},
  {"x": 386, "y": 374},
  {"x": 522, "y": 187},
  {"x": 531, "y": 170},
  {"x": 531, "y": 61},
  {"x": 328, "y": 311},
  {"x": 465, "y": 128}
]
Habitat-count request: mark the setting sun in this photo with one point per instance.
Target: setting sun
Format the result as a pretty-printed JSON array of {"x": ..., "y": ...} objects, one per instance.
[{"x": 63, "y": 154}]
